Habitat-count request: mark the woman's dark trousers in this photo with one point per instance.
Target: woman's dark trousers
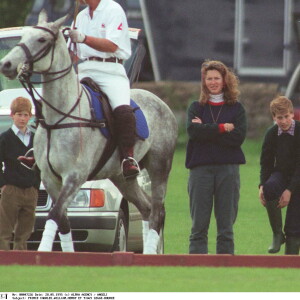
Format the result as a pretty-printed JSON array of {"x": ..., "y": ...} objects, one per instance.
[{"x": 213, "y": 186}]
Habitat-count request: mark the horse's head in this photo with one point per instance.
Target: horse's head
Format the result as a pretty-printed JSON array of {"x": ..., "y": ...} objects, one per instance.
[{"x": 35, "y": 49}]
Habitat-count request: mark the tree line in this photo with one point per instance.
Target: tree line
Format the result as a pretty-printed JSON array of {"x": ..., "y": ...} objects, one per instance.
[{"x": 14, "y": 12}]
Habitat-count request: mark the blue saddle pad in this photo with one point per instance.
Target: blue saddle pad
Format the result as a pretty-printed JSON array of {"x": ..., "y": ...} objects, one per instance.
[{"x": 142, "y": 129}]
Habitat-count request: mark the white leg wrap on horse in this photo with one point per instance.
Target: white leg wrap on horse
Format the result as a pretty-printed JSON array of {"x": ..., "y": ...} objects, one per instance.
[
  {"x": 48, "y": 236},
  {"x": 145, "y": 231},
  {"x": 66, "y": 242},
  {"x": 152, "y": 242}
]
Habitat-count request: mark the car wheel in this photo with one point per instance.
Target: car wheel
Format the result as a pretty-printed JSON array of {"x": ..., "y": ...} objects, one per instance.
[{"x": 120, "y": 243}]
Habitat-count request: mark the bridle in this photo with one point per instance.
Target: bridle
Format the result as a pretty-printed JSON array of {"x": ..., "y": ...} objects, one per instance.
[
  {"x": 27, "y": 68},
  {"x": 25, "y": 79}
]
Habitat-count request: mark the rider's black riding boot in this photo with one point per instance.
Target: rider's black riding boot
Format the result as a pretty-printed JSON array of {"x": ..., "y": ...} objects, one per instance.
[
  {"x": 125, "y": 123},
  {"x": 275, "y": 219}
]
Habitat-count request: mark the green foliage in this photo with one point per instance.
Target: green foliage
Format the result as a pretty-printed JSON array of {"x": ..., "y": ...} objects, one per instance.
[{"x": 13, "y": 13}]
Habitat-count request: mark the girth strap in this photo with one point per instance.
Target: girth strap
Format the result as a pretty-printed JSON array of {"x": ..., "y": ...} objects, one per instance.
[
  {"x": 48, "y": 152},
  {"x": 109, "y": 149},
  {"x": 99, "y": 124}
]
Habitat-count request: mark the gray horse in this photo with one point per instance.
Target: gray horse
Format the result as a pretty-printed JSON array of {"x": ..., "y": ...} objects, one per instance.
[{"x": 67, "y": 156}]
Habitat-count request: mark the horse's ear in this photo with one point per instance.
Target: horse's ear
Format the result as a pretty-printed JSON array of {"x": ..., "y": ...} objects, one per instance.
[
  {"x": 43, "y": 18},
  {"x": 58, "y": 23}
]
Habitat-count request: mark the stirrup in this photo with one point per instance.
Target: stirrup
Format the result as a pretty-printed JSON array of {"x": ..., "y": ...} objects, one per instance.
[
  {"x": 134, "y": 163},
  {"x": 27, "y": 154}
]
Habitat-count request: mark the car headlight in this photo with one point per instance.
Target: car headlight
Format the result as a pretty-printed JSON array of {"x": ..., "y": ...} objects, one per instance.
[{"x": 82, "y": 199}]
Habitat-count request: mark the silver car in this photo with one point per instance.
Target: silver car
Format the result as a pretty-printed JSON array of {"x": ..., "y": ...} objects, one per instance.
[{"x": 101, "y": 219}]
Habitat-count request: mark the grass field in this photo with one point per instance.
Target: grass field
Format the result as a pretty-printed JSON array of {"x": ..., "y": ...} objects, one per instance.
[
  {"x": 252, "y": 236},
  {"x": 147, "y": 279}
]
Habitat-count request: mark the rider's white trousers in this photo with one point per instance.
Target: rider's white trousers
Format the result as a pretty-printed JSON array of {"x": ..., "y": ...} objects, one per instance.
[{"x": 112, "y": 79}]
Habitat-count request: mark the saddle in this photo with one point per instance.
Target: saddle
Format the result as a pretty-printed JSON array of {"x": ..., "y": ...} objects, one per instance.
[
  {"x": 99, "y": 98},
  {"x": 102, "y": 111}
]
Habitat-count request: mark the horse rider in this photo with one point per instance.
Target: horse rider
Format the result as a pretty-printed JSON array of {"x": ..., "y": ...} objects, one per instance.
[{"x": 102, "y": 42}]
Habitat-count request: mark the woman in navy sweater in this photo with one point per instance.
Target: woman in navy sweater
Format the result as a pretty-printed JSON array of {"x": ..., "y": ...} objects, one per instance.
[{"x": 216, "y": 126}]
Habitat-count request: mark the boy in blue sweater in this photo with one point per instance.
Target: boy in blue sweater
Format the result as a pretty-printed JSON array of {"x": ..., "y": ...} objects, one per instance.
[
  {"x": 280, "y": 176},
  {"x": 19, "y": 185}
]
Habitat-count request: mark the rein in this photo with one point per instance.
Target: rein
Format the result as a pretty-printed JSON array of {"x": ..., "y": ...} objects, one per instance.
[
  {"x": 38, "y": 56},
  {"x": 29, "y": 85}
]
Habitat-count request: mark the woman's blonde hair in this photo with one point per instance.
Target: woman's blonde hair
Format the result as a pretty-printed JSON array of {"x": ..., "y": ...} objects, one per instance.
[
  {"x": 281, "y": 105},
  {"x": 231, "y": 82},
  {"x": 20, "y": 104}
]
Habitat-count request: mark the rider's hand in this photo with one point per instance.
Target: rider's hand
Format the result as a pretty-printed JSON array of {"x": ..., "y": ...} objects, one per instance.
[{"x": 76, "y": 36}]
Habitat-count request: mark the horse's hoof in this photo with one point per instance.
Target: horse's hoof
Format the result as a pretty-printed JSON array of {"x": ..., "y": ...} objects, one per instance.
[
  {"x": 145, "y": 231},
  {"x": 151, "y": 244},
  {"x": 66, "y": 242},
  {"x": 48, "y": 236},
  {"x": 149, "y": 251},
  {"x": 44, "y": 248}
]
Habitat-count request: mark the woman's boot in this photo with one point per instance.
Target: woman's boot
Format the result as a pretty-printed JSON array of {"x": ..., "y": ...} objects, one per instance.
[{"x": 275, "y": 218}]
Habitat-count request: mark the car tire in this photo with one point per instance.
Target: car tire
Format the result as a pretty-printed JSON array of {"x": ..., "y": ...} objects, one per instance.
[{"x": 120, "y": 243}]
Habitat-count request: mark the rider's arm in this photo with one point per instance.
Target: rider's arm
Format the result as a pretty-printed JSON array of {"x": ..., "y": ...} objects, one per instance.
[
  {"x": 100, "y": 44},
  {"x": 97, "y": 43}
]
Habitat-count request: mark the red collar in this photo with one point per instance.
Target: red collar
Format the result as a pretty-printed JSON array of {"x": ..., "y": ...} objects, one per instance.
[{"x": 216, "y": 104}]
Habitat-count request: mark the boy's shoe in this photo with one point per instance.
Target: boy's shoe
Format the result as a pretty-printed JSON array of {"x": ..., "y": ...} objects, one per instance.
[
  {"x": 278, "y": 240},
  {"x": 275, "y": 218}
]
